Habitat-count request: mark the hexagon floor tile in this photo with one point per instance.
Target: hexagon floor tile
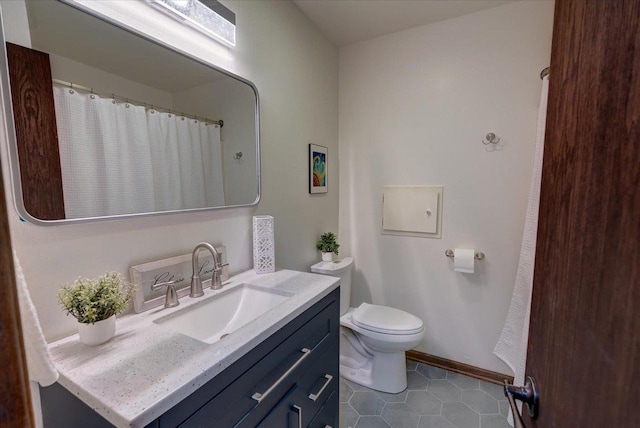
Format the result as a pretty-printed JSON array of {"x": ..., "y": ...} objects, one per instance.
[
  {"x": 462, "y": 381},
  {"x": 345, "y": 392},
  {"x": 366, "y": 403},
  {"x": 399, "y": 415},
  {"x": 431, "y": 372},
  {"x": 480, "y": 402},
  {"x": 435, "y": 398},
  {"x": 444, "y": 390},
  {"x": 460, "y": 415},
  {"x": 424, "y": 402}
]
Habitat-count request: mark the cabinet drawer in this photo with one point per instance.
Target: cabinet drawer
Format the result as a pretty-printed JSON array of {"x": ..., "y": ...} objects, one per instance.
[
  {"x": 310, "y": 393},
  {"x": 273, "y": 376},
  {"x": 285, "y": 414},
  {"x": 319, "y": 383},
  {"x": 307, "y": 379},
  {"x": 327, "y": 417}
]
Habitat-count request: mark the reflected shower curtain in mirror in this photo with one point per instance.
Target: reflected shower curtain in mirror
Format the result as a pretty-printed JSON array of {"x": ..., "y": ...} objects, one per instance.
[{"x": 119, "y": 158}]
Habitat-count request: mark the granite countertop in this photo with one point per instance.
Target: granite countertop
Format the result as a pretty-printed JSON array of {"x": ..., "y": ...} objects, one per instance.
[{"x": 146, "y": 369}]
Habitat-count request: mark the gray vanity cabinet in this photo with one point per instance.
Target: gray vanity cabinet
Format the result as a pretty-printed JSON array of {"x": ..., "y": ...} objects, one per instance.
[{"x": 293, "y": 374}]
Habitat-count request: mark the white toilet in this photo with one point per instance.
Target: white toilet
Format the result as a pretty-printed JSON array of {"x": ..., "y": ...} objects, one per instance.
[{"x": 373, "y": 338}]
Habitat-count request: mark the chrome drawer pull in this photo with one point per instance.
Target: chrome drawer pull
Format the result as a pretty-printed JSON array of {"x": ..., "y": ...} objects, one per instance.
[
  {"x": 299, "y": 410},
  {"x": 314, "y": 397},
  {"x": 261, "y": 396}
]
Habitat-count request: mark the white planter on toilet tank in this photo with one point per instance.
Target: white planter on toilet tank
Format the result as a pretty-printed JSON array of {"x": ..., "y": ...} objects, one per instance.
[{"x": 373, "y": 338}]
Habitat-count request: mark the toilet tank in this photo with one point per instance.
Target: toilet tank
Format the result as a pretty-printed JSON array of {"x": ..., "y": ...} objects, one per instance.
[{"x": 341, "y": 269}]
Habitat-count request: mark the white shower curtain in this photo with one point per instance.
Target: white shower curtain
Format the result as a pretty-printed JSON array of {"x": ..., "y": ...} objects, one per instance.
[
  {"x": 119, "y": 158},
  {"x": 512, "y": 344}
]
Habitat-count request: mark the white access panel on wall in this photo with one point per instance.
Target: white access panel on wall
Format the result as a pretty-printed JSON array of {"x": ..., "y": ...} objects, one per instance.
[{"x": 412, "y": 210}]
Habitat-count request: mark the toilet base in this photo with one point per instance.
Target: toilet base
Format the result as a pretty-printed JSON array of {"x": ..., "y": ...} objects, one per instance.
[{"x": 381, "y": 371}]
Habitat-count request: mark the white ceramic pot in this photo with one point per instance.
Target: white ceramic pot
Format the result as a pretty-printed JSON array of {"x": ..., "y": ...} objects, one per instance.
[
  {"x": 327, "y": 257},
  {"x": 97, "y": 333}
]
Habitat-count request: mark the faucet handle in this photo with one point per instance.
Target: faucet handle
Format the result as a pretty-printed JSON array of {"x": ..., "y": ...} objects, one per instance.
[
  {"x": 216, "y": 277},
  {"x": 171, "y": 298}
]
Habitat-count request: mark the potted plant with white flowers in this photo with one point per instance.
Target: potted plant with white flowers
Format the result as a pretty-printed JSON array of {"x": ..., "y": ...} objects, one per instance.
[
  {"x": 95, "y": 304},
  {"x": 328, "y": 245}
]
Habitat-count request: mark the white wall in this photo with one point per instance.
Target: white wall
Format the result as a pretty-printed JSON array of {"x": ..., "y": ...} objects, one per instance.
[
  {"x": 233, "y": 102},
  {"x": 414, "y": 107},
  {"x": 295, "y": 70},
  {"x": 104, "y": 82},
  {"x": 15, "y": 21}
]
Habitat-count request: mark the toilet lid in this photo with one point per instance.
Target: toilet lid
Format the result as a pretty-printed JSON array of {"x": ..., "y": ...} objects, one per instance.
[
  {"x": 332, "y": 268},
  {"x": 384, "y": 319}
]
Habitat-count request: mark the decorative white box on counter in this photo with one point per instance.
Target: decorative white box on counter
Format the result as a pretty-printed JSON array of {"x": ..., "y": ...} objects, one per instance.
[{"x": 264, "y": 257}]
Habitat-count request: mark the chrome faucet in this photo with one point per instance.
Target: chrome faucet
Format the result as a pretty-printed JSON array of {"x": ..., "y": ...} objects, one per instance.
[{"x": 196, "y": 281}]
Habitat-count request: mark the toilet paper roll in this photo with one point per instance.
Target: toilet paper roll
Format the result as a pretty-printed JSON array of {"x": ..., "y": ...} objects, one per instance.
[{"x": 463, "y": 260}]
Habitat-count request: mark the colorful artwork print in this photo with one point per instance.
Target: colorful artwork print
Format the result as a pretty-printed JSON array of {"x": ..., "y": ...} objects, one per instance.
[
  {"x": 318, "y": 172},
  {"x": 319, "y": 175}
]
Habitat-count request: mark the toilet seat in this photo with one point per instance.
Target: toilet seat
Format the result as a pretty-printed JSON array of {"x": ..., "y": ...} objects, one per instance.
[{"x": 386, "y": 320}]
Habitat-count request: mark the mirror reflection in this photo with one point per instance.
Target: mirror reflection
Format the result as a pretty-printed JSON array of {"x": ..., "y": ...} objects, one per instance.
[{"x": 109, "y": 123}]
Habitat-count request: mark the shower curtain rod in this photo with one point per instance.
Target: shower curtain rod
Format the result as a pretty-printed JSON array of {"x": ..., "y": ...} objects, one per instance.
[
  {"x": 135, "y": 102},
  {"x": 544, "y": 72}
]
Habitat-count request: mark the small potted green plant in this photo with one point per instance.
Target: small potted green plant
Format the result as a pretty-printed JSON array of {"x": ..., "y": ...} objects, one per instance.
[
  {"x": 328, "y": 245},
  {"x": 95, "y": 304}
]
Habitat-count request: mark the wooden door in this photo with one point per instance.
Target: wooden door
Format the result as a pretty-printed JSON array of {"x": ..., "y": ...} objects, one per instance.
[
  {"x": 15, "y": 404},
  {"x": 36, "y": 132},
  {"x": 584, "y": 341}
]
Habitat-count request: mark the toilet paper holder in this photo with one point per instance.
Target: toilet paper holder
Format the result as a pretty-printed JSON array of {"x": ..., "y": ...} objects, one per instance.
[{"x": 478, "y": 256}]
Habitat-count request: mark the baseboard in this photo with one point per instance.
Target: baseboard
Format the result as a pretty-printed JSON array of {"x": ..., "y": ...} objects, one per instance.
[{"x": 454, "y": 366}]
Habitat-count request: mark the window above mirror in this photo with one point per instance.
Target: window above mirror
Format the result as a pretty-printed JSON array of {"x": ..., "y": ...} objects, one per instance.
[{"x": 207, "y": 16}]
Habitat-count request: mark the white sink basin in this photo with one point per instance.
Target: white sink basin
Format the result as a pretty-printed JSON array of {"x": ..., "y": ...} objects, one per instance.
[{"x": 219, "y": 315}]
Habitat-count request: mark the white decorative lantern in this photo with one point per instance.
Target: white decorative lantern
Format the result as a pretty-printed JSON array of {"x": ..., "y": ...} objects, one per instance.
[{"x": 264, "y": 256}]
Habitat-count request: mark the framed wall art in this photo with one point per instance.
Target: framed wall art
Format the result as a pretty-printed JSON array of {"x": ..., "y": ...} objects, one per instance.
[{"x": 318, "y": 169}]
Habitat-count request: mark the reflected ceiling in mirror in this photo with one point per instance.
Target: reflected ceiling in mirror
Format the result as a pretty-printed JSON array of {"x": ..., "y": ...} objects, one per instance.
[{"x": 111, "y": 124}]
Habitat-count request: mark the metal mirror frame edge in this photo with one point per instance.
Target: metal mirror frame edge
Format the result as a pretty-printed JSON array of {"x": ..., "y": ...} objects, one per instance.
[{"x": 12, "y": 146}]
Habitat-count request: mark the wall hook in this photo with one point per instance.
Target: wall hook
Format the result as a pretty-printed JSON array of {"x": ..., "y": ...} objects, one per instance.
[
  {"x": 238, "y": 156},
  {"x": 491, "y": 139}
]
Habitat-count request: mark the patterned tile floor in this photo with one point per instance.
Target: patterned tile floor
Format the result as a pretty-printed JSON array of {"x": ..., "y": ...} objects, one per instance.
[{"x": 434, "y": 398}]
